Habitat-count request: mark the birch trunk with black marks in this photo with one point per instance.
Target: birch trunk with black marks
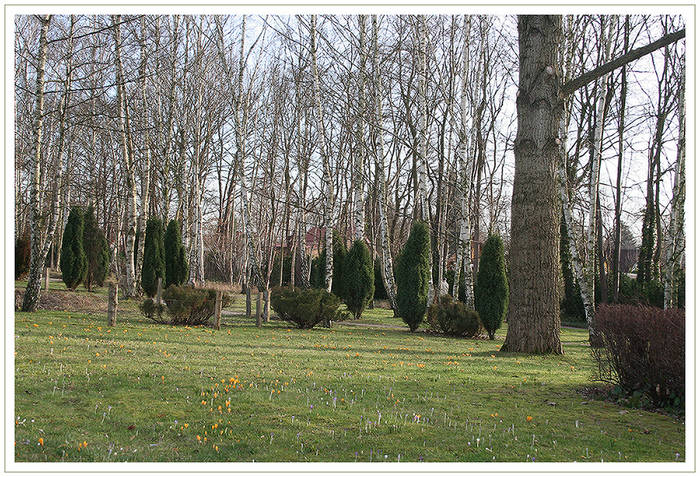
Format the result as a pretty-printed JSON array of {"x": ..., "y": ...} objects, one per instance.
[
  {"x": 463, "y": 263},
  {"x": 328, "y": 180},
  {"x": 360, "y": 140},
  {"x": 38, "y": 255},
  {"x": 387, "y": 268},
  {"x": 146, "y": 160},
  {"x": 593, "y": 185},
  {"x": 241, "y": 121},
  {"x": 424, "y": 213},
  {"x": 675, "y": 241},
  {"x": 131, "y": 284}
]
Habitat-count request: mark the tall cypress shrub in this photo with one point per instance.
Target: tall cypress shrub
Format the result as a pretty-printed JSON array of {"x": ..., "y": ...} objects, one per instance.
[
  {"x": 413, "y": 276},
  {"x": 379, "y": 289},
  {"x": 96, "y": 251},
  {"x": 339, "y": 252},
  {"x": 73, "y": 259},
  {"x": 491, "y": 289},
  {"x": 358, "y": 278},
  {"x": 176, "y": 267},
  {"x": 153, "y": 257}
]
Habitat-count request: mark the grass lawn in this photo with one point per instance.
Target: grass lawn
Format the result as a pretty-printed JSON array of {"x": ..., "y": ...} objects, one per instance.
[{"x": 147, "y": 392}]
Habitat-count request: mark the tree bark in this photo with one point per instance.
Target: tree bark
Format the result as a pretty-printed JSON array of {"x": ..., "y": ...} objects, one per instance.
[
  {"x": 463, "y": 262},
  {"x": 131, "y": 284},
  {"x": 533, "y": 316},
  {"x": 38, "y": 257},
  {"x": 618, "y": 184},
  {"x": 328, "y": 180},
  {"x": 387, "y": 268},
  {"x": 675, "y": 243}
]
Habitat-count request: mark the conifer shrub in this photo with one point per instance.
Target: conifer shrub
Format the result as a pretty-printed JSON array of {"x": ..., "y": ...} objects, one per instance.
[
  {"x": 453, "y": 318},
  {"x": 379, "y": 288},
  {"x": 188, "y": 306},
  {"x": 176, "y": 266},
  {"x": 23, "y": 253},
  {"x": 643, "y": 350},
  {"x": 286, "y": 269},
  {"x": 491, "y": 289},
  {"x": 358, "y": 278},
  {"x": 317, "y": 274},
  {"x": 73, "y": 259},
  {"x": 96, "y": 251},
  {"x": 339, "y": 252},
  {"x": 305, "y": 307},
  {"x": 153, "y": 257},
  {"x": 413, "y": 276}
]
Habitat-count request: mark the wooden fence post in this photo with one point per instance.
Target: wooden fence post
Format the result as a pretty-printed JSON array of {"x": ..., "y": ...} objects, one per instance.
[
  {"x": 159, "y": 291},
  {"x": 112, "y": 304},
  {"x": 46, "y": 278},
  {"x": 217, "y": 309},
  {"x": 258, "y": 310}
]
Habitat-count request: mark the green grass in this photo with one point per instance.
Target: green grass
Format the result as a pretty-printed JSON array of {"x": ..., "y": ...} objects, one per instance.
[{"x": 144, "y": 392}]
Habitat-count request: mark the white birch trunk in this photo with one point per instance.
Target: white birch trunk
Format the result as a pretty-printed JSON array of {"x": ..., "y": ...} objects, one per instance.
[
  {"x": 131, "y": 284},
  {"x": 37, "y": 259},
  {"x": 675, "y": 244},
  {"x": 387, "y": 268},
  {"x": 361, "y": 141},
  {"x": 253, "y": 265},
  {"x": 423, "y": 135},
  {"x": 601, "y": 92},
  {"x": 328, "y": 204},
  {"x": 146, "y": 163},
  {"x": 464, "y": 261}
]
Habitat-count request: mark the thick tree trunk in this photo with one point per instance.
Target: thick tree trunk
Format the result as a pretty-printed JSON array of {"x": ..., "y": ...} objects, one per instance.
[{"x": 533, "y": 315}]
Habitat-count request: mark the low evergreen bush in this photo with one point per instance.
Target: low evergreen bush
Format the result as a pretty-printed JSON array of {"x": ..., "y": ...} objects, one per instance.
[
  {"x": 189, "y": 306},
  {"x": 152, "y": 310},
  {"x": 453, "y": 318},
  {"x": 305, "y": 307}
]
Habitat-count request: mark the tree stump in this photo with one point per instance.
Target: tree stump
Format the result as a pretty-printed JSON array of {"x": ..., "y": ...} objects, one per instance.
[
  {"x": 217, "y": 310},
  {"x": 112, "y": 304}
]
